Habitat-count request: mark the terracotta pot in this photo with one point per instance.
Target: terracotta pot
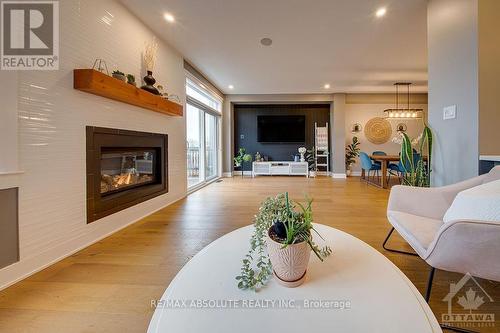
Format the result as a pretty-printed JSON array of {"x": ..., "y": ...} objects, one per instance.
[{"x": 289, "y": 263}]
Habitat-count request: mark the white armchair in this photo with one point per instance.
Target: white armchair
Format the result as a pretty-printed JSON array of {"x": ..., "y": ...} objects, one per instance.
[{"x": 457, "y": 245}]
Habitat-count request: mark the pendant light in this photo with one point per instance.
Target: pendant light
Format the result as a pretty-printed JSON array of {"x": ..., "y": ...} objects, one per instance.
[{"x": 400, "y": 112}]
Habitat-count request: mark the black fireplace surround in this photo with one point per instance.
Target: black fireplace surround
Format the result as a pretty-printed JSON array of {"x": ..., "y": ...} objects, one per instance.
[{"x": 124, "y": 168}]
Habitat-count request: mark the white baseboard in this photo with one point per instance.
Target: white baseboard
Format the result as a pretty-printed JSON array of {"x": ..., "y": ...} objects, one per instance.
[
  {"x": 227, "y": 174},
  {"x": 339, "y": 175},
  {"x": 245, "y": 173},
  {"x": 356, "y": 173}
]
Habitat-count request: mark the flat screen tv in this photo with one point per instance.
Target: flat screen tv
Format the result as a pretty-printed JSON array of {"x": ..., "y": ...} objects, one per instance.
[{"x": 281, "y": 129}]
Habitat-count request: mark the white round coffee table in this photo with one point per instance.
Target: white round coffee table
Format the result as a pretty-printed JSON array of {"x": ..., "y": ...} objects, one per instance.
[{"x": 357, "y": 289}]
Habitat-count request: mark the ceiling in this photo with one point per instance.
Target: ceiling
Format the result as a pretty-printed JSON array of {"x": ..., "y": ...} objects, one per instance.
[{"x": 340, "y": 42}]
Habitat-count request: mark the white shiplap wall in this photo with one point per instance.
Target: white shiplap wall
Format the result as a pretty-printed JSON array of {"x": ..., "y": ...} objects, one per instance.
[{"x": 52, "y": 120}]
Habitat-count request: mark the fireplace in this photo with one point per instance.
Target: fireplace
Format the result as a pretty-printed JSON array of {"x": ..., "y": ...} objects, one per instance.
[{"x": 124, "y": 168}]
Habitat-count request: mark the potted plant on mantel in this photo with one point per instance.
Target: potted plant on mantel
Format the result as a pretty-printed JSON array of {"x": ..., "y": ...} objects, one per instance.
[
  {"x": 286, "y": 235},
  {"x": 351, "y": 152}
]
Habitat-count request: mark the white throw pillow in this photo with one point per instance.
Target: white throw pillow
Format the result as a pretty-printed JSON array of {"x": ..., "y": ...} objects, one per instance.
[{"x": 480, "y": 203}]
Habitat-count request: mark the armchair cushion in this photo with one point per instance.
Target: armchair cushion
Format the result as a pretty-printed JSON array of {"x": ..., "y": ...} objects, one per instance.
[
  {"x": 480, "y": 203},
  {"x": 418, "y": 231}
]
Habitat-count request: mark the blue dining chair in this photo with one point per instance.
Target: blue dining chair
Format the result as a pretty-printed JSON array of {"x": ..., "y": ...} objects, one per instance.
[
  {"x": 379, "y": 153},
  {"x": 367, "y": 165}
]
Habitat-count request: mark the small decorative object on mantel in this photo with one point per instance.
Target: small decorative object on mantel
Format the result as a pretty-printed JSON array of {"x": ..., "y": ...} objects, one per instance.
[
  {"x": 119, "y": 75},
  {"x": 131, "y": 79},
  {"x": 356, "y": 128},
  {"x": 174, "y": 98},
  {"x": 401, "y": 127},
  {"x": 162, "y": 91},
  {"x": 287, "y": 235},
  {"x": 150, "y": 61},
  {"x": 100, "y": 65},
  {"x": 258, "y": 158},
  {"x": 378, "y": 130},
  {"x": 302, "y": 151}
]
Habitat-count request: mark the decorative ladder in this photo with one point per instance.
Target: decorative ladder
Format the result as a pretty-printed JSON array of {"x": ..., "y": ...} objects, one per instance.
[{"x": 322, "y": 153}]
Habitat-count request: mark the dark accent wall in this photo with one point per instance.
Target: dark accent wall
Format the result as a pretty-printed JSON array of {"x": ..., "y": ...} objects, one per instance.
[
  {"x": 245, "y": 128},
  {"x": 9, "y": 231}
]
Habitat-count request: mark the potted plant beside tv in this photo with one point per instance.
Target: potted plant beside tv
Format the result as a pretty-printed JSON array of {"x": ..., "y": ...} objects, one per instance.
[
  {"x": 285, "y": 233},
  {"x": 311, "y": 160},
  {"x": 241, "y": 158}
]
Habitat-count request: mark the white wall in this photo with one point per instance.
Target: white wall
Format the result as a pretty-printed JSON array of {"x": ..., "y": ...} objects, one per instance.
[
  {"x": 361, "y": 113},
  {"x": 52, "y": 120},
  {"x": 453, "y": 80}
]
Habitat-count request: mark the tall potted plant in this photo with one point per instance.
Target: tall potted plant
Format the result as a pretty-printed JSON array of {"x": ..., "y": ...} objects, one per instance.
[
  {"x": 417, "y": 166},
  {"x": 241, "y": 158},
  {"x": 281, "y": 243},
  {"x": 310, "y": 157},
  {"x": 351, "y": 152}
]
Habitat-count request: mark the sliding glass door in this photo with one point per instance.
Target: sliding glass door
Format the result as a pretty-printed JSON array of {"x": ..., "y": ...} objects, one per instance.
[
  {"x": 202, "y": 133},
  {"x": 210, "y": 146},
  {"x": 194, "y": 129}
]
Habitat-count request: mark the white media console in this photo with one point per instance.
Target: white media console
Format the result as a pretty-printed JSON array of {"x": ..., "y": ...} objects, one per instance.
[{"x": 280, "y": 168}]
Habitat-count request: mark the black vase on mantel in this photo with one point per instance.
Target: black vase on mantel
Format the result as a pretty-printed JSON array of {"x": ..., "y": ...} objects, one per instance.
[{"x": 150, "y": 81}]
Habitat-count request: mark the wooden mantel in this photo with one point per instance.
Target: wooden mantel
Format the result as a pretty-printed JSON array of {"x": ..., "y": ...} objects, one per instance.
[{"x": 97, "y": 83}]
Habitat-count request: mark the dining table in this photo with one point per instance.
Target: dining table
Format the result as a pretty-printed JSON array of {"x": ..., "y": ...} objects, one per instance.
[{"x": 384, "y": 165}]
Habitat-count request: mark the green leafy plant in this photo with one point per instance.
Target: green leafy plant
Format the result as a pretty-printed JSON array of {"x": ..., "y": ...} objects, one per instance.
[
  {"x": 117, "y": 72},
  {"x": 351, "y": 152},
  {"x": 242, "y": 157},
  {"x": 130, "y": 78},
  {"x": 310, "y": 157},
  {"x": 256, "y": 267},
  {"x": 417, "y": 171}
]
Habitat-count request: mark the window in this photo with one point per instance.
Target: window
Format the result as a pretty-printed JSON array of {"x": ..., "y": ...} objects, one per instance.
[{"x": 203, "y": 113}]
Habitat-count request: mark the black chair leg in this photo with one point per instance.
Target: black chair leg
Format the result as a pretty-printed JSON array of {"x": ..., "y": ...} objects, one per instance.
[
  {"x": 394, "y": 250},
  {"x": 428, "y": 297},
  {"x": 429, "y": 285}
]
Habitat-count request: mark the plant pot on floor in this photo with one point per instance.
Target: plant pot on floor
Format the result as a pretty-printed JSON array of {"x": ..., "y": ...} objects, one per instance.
[
  {"x": 312, "y": 173},
  {"x": 290, "y": 262},
  {"x": 348, "y": 172}
]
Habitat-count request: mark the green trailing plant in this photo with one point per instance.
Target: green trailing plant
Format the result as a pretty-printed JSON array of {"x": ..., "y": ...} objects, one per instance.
[
  {"x": 351, "y": 152},
  {"x": 277, "y": 212},
  {"x": 117, "y": 72},
  {"x": 417, "y": 168},
  {"x": 242, "y": 157}
]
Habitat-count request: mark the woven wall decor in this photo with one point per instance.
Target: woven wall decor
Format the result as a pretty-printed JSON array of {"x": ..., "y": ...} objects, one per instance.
[{"x": 378, "y": 130}]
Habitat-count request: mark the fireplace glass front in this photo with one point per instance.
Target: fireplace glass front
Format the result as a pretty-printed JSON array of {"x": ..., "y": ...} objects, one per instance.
[{"x": 127, "y": 168}]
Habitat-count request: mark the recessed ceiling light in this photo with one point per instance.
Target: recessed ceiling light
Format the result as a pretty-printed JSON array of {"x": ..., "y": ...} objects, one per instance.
[
  {"x": 326, "y": 86},
  {"x": 381, "y": 12},
  {"x": 230, "y": 86},
  {"x": 266, "y": 41},
  {"x": 169, "y": 17}
]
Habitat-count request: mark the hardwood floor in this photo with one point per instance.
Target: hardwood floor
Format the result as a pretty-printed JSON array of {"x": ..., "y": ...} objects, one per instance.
[{"x": 108, "y": 287}]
